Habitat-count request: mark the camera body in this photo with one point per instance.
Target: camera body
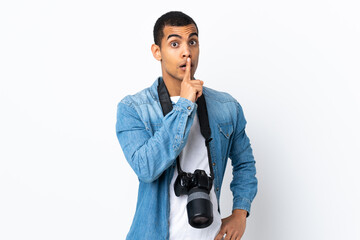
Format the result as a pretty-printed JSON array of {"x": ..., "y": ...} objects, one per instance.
[
  {"x": 197, "y": 186},
  {"x": 187, "y": 181}
]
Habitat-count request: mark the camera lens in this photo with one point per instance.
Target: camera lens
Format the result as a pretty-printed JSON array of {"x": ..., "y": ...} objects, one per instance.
[
  {"x": 200, "y": 220},
  {"x": 199, "y": 208}
]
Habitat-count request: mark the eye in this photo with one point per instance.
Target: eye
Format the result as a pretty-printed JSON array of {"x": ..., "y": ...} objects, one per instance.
[
  {"x": 174, "y": 44},
  {"x": 193, "y": 42}
]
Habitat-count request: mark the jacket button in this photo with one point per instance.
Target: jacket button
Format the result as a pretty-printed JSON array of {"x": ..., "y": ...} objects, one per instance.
[
  {"x": 213, "y": 164},
  {"x": 227, "y": 135},
  {"x": 217, "y": 189},
  {"x": 189, "y": 108}
]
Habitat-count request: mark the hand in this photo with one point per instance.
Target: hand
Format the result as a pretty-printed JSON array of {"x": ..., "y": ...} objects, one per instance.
[
  {"x": 190, "y": 89},
  {"x": 233, "y": 226}
]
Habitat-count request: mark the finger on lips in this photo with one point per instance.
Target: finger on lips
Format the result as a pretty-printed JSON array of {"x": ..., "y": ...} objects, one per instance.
[{"x": 187, "y": 69}]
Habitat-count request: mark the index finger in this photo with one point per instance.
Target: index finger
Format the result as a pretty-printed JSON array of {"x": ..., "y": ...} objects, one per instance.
[{"x": 187, "y": 76}]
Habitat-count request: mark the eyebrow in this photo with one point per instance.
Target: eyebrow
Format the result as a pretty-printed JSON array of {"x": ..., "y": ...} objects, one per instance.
[{"x": 175, "y": 35}]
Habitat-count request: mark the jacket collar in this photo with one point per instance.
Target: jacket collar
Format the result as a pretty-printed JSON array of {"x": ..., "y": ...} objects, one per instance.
[{"x": 153, "y": 89}]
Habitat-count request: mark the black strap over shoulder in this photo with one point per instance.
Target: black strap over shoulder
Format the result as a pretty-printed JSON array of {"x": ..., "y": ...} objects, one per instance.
[
  {"x": 164, "y": 97},
  {"x": 205, "y": 130},
  {"x": 203, "y": 118}
]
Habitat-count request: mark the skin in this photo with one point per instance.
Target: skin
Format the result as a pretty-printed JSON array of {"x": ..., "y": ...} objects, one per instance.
[
  {"x": 233, "y": 226},
  {"x": 179, "y": 46}
]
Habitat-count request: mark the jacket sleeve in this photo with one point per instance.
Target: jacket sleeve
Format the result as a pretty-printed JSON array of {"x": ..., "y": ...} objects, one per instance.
[
  {"x": 150, "y": 155},
  {"x": 244, "y": 183}
]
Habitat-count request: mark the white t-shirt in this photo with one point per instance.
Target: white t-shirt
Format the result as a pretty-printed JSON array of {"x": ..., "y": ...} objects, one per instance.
[{"x": 193, "y": 156}]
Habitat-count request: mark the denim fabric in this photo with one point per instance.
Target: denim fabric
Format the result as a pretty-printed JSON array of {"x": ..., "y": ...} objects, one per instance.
[{"x": 151, "y": 143}]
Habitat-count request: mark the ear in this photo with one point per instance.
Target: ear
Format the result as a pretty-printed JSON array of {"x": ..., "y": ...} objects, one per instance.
[{"x": 155, "y": 49}]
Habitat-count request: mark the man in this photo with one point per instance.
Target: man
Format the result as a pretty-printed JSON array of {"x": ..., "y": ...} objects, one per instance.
[{"x": 151, "y": 142}]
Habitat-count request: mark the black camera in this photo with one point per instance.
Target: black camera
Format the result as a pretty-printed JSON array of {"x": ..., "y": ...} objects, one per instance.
[{"x": 199, "y": 207}]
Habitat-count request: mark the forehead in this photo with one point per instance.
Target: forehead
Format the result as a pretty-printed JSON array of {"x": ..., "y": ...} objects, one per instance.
[{"x": 183, "y": 31}]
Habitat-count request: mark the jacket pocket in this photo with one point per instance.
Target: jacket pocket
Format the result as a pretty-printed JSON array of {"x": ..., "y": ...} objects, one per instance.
[{"x": 226, "y": 129}]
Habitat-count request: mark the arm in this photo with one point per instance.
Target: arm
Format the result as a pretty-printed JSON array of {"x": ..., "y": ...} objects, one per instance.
[
  {"x": 149, "y": 156},
  {"x": 244, "y": 183}
]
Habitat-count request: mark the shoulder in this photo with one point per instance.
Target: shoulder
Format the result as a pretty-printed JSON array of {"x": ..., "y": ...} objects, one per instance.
[
  {"x": 222, "y": 103},
  {"x": 218, "y": 96},
  {"x": 145, "y": 96}
]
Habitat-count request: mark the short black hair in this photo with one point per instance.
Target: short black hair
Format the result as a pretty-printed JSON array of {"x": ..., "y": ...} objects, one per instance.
[{"x": 173, "y": 18}]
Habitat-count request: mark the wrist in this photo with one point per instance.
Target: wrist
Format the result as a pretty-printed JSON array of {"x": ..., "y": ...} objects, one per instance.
[{"x": 240, "y": 212}]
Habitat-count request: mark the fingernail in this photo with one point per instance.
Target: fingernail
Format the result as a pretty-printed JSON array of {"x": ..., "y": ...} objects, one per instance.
[{"x": 188, "y": 59}]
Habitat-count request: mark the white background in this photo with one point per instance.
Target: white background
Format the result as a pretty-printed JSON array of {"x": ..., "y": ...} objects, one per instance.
[{"x": 64, "y": 66}]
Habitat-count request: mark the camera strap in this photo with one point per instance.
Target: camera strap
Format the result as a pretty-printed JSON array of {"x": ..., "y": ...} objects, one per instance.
[{"x": 166, "y": 106}]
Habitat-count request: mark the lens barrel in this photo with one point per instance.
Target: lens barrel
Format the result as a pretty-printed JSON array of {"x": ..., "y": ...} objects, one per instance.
[{"x": 199, "y": 208}]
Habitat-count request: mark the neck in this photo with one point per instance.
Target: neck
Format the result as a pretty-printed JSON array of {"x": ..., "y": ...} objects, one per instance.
[{"x": 173, "y": 86}]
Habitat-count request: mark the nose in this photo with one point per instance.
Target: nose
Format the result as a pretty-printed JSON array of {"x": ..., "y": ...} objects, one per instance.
[{"x": 186, "y": 52}]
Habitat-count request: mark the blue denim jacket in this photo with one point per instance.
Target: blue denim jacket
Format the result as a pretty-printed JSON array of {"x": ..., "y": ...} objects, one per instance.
[{"x": 151, "y": 143}]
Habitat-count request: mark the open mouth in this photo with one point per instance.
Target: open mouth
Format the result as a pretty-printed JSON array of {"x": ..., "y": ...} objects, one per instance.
[{"x": 184, "y": 66}]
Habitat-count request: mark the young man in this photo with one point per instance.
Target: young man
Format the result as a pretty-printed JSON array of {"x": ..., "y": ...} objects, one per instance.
[{"x": 151, "y": 142}]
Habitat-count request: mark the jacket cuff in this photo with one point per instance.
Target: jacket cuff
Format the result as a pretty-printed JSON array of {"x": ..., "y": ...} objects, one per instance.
[
  {"x": 242, "y": 203},
  {"x": 185, "y": 105}
]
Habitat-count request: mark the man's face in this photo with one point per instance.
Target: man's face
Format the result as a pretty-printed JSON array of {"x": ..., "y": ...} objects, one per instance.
[{"x": 177, "y": 45}]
